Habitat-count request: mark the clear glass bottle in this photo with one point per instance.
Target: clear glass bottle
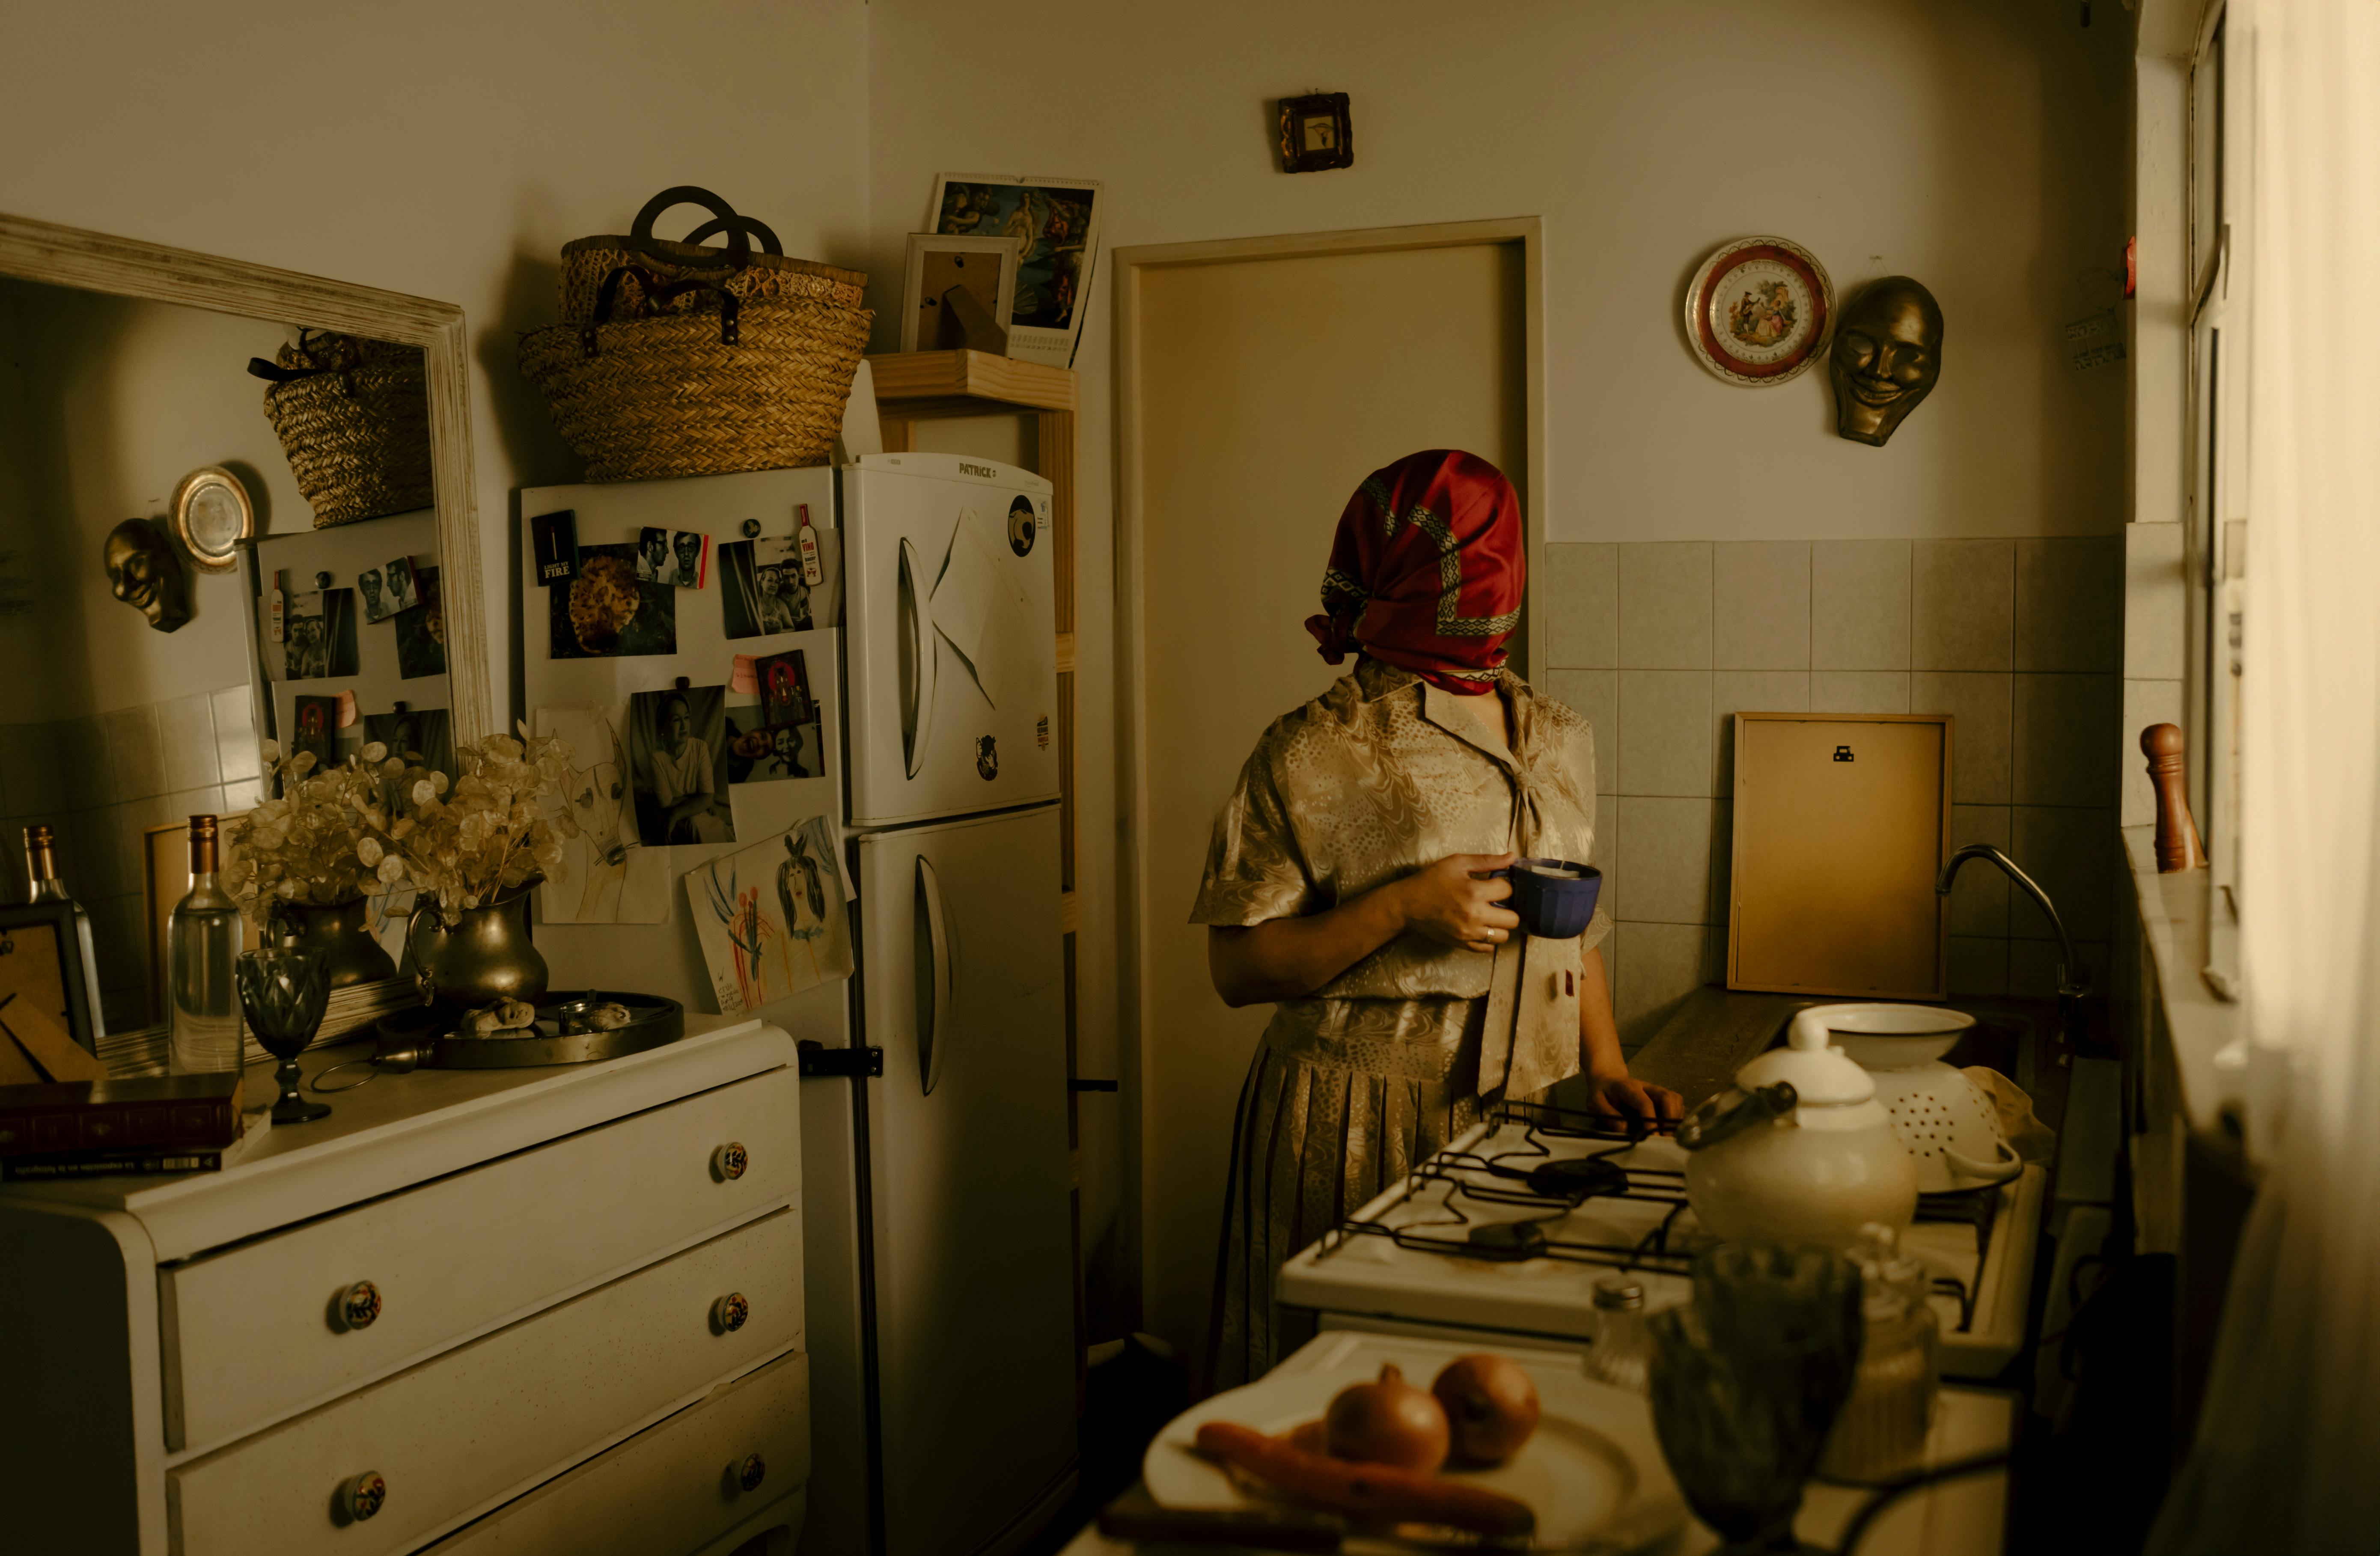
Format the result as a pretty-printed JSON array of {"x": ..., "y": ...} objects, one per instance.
[
  {"x": 1881, "y": 1432},
  {"x": 201, "y": 966},
  {"x": 1622, "y": 1353},
  {"x": 42, "y": 874}
]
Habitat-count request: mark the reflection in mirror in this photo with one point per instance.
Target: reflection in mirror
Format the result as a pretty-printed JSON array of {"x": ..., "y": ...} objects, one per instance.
[{"x": 119, "y": 721}]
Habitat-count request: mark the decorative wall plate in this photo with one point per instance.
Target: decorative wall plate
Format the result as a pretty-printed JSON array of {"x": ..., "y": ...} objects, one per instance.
[
  {"x": 211, "y": 516},
  {"x": 1760, "y": 310}
]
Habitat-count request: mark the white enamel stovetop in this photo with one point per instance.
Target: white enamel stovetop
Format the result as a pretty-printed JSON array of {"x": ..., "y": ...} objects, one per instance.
[{"x": 1360, "y": 1278}]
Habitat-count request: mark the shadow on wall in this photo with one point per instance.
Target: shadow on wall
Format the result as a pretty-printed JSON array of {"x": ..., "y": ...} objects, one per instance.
[{"x": 524, "y": 425}]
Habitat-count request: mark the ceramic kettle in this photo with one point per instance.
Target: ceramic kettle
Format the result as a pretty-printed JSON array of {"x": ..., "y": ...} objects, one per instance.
[{"x": 1799, "y": 1150}]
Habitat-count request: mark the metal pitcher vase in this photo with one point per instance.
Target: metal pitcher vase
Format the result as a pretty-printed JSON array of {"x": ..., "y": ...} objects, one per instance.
[
  {"x": 485, "y": 957},
  {"x": 342, "y": 932}
]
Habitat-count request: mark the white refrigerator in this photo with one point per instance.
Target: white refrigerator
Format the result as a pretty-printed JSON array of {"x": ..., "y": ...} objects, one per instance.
[{"x": 937, "y": 1244}]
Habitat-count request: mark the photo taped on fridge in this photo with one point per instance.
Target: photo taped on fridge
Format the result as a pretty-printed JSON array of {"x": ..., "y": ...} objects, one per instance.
[
  {"x": 319, "y": 635},
  {"x": 421, "y": 632},
  {"x": 677, "y": 755},
  {"x": 606, "y": 611},
  {"x": 679, "y": 558},
  {"x": 764, "y": 585}
]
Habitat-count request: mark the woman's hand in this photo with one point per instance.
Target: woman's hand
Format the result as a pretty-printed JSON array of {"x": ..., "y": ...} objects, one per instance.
[
  {"x": 1449, "y": 902},
  {"x": 1624, "y": 1096}
]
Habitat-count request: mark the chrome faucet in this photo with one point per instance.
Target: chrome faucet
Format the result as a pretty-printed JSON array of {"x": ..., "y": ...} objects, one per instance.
[{"x": 2073, "y": 981}]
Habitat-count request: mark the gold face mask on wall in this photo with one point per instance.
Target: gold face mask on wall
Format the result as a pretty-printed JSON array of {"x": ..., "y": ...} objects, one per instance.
[
  {"x": 143, "y": 572},
  {"x": 1887, "y": 356}
]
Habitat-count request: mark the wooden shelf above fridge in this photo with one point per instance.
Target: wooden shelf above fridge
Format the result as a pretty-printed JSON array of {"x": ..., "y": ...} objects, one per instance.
[{"x": 917, "y": 385}]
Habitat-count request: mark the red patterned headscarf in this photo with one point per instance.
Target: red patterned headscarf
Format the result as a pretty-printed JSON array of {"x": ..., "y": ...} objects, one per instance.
[{"x": 1427, "y": 571}]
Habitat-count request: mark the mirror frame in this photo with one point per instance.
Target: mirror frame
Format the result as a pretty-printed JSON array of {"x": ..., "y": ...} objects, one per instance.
[{"x": 96, "y": 261}]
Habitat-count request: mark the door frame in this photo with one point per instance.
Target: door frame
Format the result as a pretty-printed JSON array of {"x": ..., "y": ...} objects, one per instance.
[{"x": 1132, "y": 688}]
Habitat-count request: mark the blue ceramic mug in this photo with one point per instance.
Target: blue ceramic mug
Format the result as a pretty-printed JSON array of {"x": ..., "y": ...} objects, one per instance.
[{"x": 1554, "y": 897}]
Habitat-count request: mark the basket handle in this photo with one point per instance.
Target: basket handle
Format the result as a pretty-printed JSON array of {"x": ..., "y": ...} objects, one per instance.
[
  {"x": 656, "y": 290},
  {"x": 752, "y": 225},
  {"x": 259, "y": 367},
  {"x": 735, "y": 256}
]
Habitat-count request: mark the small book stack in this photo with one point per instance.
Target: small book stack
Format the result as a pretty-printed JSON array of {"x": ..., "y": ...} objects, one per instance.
[{"x": 63, "y": 1116}]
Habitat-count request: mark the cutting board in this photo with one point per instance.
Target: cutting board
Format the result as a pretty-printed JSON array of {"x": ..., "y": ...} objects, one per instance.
[{"x": 1841, "y": 822}]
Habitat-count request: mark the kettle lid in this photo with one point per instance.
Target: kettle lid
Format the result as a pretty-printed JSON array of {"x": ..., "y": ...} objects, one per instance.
[{"x": 1823, "y": 1075}]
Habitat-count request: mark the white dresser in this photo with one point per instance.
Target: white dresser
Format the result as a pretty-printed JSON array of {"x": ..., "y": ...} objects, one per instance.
[{"x": 537, "y": 1310}]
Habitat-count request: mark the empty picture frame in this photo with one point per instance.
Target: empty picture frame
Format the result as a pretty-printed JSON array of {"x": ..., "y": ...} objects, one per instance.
[{"x": 958, "y": 292}]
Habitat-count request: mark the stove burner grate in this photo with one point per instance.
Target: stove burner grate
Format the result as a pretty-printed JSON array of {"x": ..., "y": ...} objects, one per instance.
[{"x": 1576, "y": 1178}]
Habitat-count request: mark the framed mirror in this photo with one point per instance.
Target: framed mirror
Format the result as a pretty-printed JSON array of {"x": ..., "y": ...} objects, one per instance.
[{"x": 159, "y": 496}]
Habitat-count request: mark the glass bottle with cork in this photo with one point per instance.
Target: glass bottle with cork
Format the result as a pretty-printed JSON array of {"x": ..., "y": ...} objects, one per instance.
[
  {"x": 42, "y": 875},
  {"x": 201, "y": 966}
]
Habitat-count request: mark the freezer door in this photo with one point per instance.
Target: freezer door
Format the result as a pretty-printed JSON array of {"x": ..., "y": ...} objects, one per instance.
[
  {"x": 953, "y": 638},
  {"x": 968, "y": 1145}
]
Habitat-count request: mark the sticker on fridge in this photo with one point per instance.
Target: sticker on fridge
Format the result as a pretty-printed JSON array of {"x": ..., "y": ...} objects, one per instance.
[{"x": 771, "y": 918}]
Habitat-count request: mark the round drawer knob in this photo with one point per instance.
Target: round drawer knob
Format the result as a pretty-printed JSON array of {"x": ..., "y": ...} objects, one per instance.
[
  {"x": 362, "y": 1496},
  {"x": 750, "y": 1473},
  {"x": 730, "y": 1160},
  {"x": 358, "y": 1306},
  {"x": 729, "y": 1312}
]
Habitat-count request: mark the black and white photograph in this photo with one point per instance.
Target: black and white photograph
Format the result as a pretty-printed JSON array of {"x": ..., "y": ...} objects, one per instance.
[
  {"x": 679, "y": 558},
  {"x": 319, "y": 635},
  {"x": 763, "y": 589},
  {"x": 677, "y": 755},
  {"x": 420, "y": 736},
  {"x": 387, "y": 589},
  {"x": 314, "y": 726},
  {"x": 607, "y": 612},
  {"x": 421, "y": 632},
  {"x": 758, "y": 753}
]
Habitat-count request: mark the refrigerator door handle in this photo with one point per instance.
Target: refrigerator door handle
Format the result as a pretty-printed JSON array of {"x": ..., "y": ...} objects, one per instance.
[
  {"x": 934, "y": 989},
  {"x": 919, "y": 654}
]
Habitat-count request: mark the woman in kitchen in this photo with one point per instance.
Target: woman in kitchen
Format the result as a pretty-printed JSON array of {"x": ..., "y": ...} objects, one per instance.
[{"x": 1345, "y": 883}]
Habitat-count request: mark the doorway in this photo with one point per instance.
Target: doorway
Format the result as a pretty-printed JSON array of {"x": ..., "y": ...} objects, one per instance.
[{"x": 1260, "y": 381}]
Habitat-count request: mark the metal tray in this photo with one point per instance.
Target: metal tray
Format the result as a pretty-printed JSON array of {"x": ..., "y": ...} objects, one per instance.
[{"x": 430, "y": 1033}]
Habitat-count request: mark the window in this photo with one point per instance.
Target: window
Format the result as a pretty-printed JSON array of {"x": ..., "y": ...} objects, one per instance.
[{"x": 2216, "y": 530}]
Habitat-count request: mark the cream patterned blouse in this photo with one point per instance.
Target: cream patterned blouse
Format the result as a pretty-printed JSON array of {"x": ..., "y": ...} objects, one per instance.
[{"x": 1379, "y": 777}]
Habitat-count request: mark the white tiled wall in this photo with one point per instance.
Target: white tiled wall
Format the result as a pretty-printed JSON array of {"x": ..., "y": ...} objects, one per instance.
[
  {"x": 100, "y": 783},
  {"x": 1660, "y": 643}
]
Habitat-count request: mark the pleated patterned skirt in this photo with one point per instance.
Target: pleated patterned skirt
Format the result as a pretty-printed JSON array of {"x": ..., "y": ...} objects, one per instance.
[{"x": 1323, "y": 1127}]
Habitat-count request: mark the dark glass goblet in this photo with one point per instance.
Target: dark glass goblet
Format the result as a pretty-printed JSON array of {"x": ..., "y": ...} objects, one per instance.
[
  {"x": 1748, "y": 1378},
  {"x": 284, "y": 994}
]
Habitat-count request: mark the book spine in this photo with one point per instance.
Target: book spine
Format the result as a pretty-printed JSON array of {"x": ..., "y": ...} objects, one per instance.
[
  {"x": 161, "y": 1124},
  {"x": 43, "y": 1169}
]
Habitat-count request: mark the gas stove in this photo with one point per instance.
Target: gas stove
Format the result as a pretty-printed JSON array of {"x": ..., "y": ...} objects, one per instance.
[{"x": 1505, "y": 1232}]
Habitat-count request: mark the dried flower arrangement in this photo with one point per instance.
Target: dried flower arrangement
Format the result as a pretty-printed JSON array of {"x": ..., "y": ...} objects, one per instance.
[
  {"x": 380, "y": 822},
  {"x": 493, "y": 834}
]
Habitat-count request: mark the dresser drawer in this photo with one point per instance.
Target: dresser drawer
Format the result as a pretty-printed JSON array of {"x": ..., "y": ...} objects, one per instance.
[
  {"x": 463, "y": 1432},
  {"x": 255, "y": 1333},
  {"x": 673, "y": 1488}
]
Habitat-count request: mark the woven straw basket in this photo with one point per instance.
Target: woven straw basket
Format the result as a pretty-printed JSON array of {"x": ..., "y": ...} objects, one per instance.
[
  {"x": 697, "y": 393},
  {"x": 353, "y": 416},
  {"x": 754, "y": 280}
]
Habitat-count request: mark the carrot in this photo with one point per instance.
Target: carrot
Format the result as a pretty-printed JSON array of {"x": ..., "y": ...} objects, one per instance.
[{"x": 1373, "y": 1490}]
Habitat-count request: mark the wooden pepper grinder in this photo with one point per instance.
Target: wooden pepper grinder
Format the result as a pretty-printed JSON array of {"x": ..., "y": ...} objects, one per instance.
[{"x": 2178, "y": 846}]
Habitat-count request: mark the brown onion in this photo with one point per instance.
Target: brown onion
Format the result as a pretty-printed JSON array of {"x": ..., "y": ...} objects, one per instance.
[
  {"x": 1492, "y": 1406},
  {"x": 1389, "y": 1422}
]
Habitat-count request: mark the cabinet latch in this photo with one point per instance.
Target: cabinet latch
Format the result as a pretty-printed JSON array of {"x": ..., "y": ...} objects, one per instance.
[{"x": 845, "y": 1064}]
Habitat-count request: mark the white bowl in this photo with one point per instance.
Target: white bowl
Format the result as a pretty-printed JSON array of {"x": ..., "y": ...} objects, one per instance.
[{"x": 1887, "y": 1037}]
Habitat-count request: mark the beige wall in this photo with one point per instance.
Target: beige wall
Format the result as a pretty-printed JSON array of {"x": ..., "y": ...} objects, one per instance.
[
  {"x": 443, "y": 150},
  {"x": 1980, "y": 147}
]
